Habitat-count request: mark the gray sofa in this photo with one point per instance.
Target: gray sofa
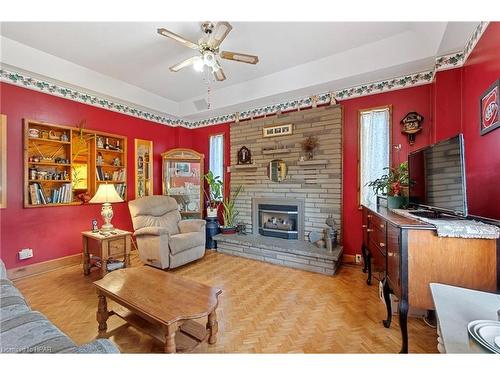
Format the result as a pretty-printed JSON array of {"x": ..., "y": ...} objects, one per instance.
[
  {"x": 164, "y": 240},
  {"x": 23, "y": 330}
]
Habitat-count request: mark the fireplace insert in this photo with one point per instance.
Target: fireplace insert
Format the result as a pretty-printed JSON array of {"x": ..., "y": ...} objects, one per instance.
[{"x": 278, "y": 220}]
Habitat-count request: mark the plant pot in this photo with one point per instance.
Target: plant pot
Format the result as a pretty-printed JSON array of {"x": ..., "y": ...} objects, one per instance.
[
  {"x": 228, "y": 230},
  {"x": 395, "y": 201},
  {"x": 212, "y": 212}
]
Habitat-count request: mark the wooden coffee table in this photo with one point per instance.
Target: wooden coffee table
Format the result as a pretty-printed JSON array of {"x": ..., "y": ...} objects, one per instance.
[{"x": 161, "y": 305}]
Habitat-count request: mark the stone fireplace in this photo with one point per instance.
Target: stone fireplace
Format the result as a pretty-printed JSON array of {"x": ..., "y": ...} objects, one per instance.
[
  {"x": 314, "y": 185},
  {"x": 277, "y": 217}
]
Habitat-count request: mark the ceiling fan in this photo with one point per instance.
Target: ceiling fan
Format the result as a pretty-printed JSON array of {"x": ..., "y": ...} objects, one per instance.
[{"x": 208, "y": 47}]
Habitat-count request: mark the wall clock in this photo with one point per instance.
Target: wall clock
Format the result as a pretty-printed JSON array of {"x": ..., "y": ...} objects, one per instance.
[{"x": 411, "y": 125}]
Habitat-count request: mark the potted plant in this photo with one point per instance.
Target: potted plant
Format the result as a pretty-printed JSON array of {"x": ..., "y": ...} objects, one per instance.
[
  {"x": 214, "y": 195},
  {"x": 392, "y": 184},
  {"x": 229, "y": 213}
]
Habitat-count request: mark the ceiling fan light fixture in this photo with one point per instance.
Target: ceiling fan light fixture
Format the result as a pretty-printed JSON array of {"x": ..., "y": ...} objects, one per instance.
[
  {"x": 198, "y": 64},
  {"x": 209, "y": 59}
]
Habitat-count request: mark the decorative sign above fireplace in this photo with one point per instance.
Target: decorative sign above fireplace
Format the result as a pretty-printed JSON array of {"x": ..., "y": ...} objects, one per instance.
[{"x": 277, "y": 130}]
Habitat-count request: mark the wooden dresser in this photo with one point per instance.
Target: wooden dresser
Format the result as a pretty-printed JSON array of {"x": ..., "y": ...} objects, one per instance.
[{"x": 406, "y": 255}]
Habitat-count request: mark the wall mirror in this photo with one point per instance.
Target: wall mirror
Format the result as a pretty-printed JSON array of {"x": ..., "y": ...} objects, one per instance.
[{"x": 277, "y": 170}]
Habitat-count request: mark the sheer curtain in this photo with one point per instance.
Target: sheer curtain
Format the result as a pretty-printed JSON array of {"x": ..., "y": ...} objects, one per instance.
[
  {"x": 216, "y": 161},
  {"x": 374, "y": 151}
]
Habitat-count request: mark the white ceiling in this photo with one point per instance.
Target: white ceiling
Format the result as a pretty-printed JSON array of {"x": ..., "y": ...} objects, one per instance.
[{"x": 130, "y": 60}]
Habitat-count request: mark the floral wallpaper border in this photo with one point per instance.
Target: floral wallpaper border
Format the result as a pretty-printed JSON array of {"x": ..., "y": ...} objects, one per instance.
[
  {"x": 450, "y": 61},
  {"x": 476, "y": 35},
  {"x": 21, "y": 79}
]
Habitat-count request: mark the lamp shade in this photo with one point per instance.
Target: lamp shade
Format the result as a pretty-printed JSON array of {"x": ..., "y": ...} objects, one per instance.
[{"x": 106, "y": 194}]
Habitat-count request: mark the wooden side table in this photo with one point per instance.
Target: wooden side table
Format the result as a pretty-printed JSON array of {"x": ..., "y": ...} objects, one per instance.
[{"x": 112, "y": 245}]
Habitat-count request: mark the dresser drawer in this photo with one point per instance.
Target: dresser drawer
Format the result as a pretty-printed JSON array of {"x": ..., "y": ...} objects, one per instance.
[
  {"x": 374, "y": 222},
  {"x": 377, "y": 238},
  {"x": 116, "y": 247}
]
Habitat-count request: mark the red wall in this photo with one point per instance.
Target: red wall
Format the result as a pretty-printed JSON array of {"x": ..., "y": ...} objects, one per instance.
[
  {"x": 54, "y": 232},
  {"x": 482, "y": 152},
  {"x": 416, "y": 99},
  {"x": 450, "y": 106},
  {"x": 200, "y": 142}
]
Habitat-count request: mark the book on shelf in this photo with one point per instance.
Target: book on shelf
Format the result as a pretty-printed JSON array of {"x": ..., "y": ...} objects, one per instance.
[
  {"x": 119, "y": 175},
  {"x": 63, "y": 194},
  {"x": 99, "y": 174}
]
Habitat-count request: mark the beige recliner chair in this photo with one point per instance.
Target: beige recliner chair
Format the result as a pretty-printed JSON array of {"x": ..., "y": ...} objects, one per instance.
[{"x": 163, "y": 239}]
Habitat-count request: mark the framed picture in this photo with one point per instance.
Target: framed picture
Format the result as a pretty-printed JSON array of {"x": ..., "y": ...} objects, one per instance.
[
  {"x": 488, "y": 106},
  {"x": 277, "y": 130},
  {"x": 183, "y": 169}
]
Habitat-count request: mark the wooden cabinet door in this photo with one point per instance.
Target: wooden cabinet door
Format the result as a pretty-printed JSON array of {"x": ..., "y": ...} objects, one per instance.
[
  {"x": 394, "y": 258},
  {"x": 378, "y": 262}
]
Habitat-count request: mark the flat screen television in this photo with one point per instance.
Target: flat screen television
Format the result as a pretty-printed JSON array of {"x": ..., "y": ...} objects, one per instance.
[{"x": 437, "y": 177}]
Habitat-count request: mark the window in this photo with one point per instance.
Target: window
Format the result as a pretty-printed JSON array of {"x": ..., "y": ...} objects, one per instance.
[
  {"x": 374, "y": 150},
  {"x": 216, "y": 161}
]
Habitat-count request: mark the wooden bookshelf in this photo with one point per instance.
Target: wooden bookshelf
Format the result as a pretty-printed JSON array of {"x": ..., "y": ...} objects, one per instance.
[
  {"x": 143, "y": 169},
  {"x": 54, "y": 156},
  {"x": 110, "y": 161}
]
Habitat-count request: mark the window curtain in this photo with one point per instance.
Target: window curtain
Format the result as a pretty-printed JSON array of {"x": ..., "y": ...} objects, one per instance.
[
  {"x": 374, "y": 149},
  {"x": 216, "y": 162}
]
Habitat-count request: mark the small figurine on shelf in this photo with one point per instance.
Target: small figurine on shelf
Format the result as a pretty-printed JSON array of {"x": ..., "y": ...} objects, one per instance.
[
  {"x": 99, "y": 160},
  {"x": 94, "y": 226},
  {"x": 100, "y": 142},
  {"x": 64, "y": 137},
  {"x": 140, "y": 164},
  {"x": 116, "y": 162}
]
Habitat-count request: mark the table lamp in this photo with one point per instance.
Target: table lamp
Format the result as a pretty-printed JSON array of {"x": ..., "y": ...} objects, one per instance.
[{"x": 106, "y": 194}]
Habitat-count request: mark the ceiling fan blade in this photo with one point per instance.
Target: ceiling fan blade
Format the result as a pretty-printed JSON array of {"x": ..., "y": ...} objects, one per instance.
[
  {"x": 219, "y": 34},
  {"x": 241, "y": 57},
  {"x": 178, "y": 38},
  {"x": 219, "y": 75},
  {"x": 183, "y": 64}
]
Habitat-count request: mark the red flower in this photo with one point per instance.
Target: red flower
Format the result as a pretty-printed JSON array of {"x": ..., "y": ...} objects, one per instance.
[{"x": 396, "y": 188}]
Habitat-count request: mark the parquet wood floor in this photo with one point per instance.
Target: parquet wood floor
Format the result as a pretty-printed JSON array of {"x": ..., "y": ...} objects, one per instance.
[{"x": 264, "y": 308}]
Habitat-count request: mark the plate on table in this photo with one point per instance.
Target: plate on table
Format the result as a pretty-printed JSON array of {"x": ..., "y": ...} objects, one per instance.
[{"x": 486, "y": 333}]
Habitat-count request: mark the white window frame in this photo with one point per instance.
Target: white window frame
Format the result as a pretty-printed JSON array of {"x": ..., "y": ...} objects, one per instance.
[
  {"x": 217, "y": 166},
  {"x": 361, "y": 183}
]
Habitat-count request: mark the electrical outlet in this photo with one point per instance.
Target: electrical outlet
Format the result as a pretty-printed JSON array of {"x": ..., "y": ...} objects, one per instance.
[
  {"x": 358, "y": 258},
  {"x": 25, "y": 253}
]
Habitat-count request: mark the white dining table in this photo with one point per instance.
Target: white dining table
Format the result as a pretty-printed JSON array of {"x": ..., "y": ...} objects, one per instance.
[{"x": 455, "y": 309}]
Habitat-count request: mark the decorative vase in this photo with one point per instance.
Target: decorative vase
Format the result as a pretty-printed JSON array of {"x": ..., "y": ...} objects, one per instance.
[
  {"x": 212, "y": 229},
  {"x": 395, "y": 201}
]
